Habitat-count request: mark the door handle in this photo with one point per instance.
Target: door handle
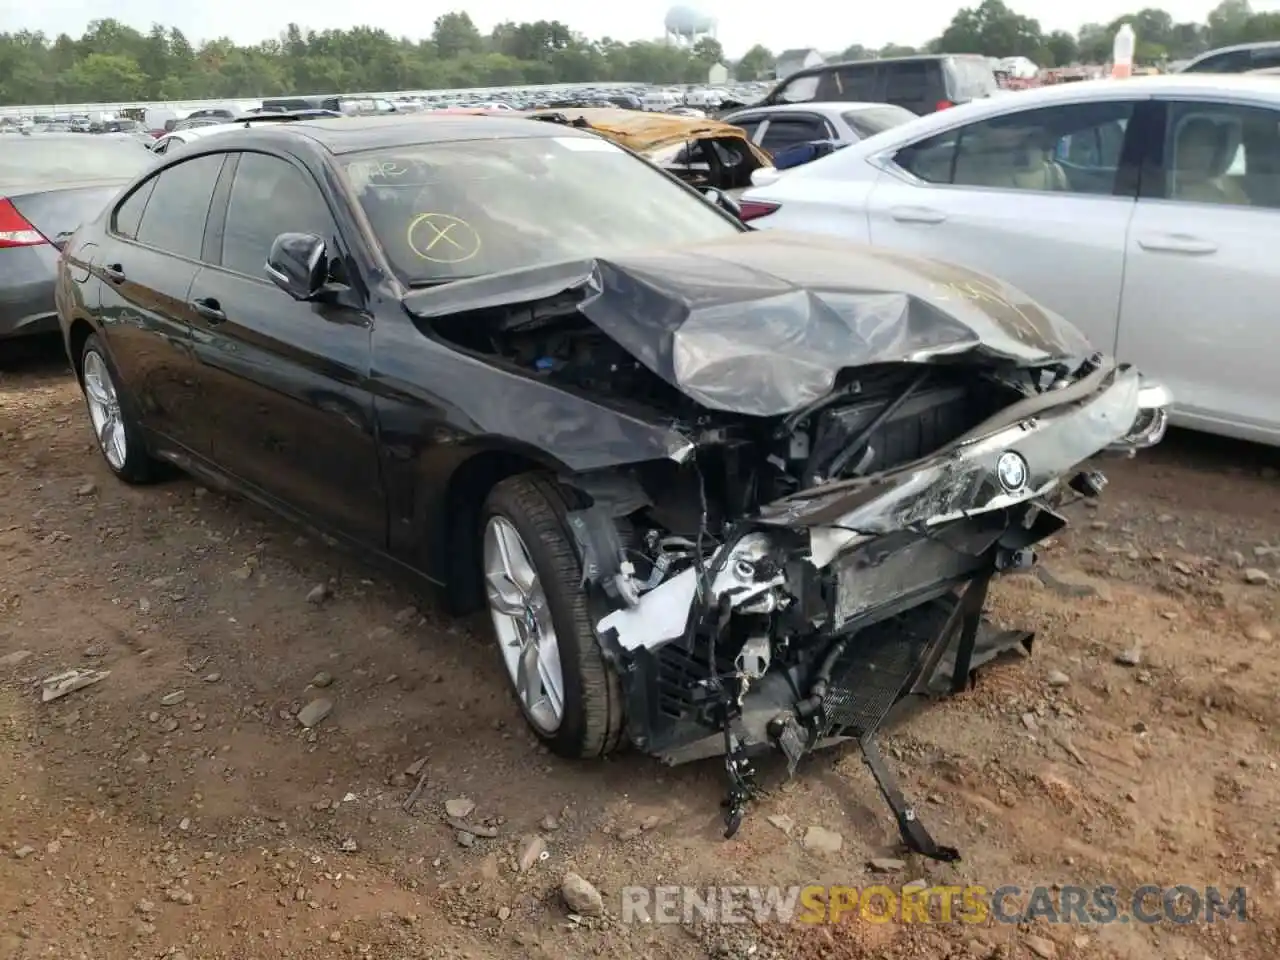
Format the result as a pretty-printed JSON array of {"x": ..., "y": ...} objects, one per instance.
[
  {"x": 1177, "y": 243},
  {"x": 114, "y": 272},
  {"x": 209, "y": 308},
  {"x": 917, "y": 215}
]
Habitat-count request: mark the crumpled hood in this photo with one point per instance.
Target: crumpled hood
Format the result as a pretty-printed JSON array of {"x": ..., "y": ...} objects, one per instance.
[{"x": 761, "y": 323}]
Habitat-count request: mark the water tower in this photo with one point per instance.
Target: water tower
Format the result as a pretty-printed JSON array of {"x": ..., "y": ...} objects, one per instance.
[{"x": 685, "y": 26}]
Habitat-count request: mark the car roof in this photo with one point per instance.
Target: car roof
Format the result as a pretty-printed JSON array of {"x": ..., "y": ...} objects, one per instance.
[
  {"x": 821, "y": 106},
  {"x": 341, "y": 135},
  {"x": 1235, "y": 48},
  {"x": 1193, "y": 86},
  {"x": 1170, "y": 84},
  {"x": 878, "y": 61}
]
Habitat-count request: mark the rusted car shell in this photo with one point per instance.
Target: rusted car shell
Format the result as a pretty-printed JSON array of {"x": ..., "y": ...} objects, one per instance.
[{"x": 648, "y": 134}]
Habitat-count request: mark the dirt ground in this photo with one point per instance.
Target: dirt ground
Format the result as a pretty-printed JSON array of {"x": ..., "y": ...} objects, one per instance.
[{"x": 178, "y": 809}]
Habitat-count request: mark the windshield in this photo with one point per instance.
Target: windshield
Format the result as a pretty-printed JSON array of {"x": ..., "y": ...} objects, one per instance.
[
  {"x": 39, "y": 159},
  {"x": 447, "y": 211},
  {"x": 872, "y": 120}
]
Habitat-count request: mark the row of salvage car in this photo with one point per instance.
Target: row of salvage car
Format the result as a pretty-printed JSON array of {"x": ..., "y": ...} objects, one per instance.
[{"x": 723, "y": 491}]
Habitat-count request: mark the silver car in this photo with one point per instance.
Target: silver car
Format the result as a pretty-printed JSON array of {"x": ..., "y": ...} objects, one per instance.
[
  {"x": 777, "y": 128},
  {"x": 1142, "y": 210}
]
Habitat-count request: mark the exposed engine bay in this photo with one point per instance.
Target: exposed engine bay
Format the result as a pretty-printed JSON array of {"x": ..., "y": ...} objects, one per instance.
[{"x": 820, "y": 548}]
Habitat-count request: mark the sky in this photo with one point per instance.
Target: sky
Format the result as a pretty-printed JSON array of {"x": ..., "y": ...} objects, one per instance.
[{"x": 823, "y": 24}]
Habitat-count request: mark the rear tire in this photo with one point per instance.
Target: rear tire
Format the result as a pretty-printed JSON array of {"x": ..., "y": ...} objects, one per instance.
[
  {"x": 113, "y": 417},
  {"x": 592, "y": 720}
]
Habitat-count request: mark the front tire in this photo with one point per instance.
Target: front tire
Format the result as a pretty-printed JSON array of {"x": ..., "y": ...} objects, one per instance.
[
  {"x": 111, "y": 413},
  {"x": 569, "y": 694}
]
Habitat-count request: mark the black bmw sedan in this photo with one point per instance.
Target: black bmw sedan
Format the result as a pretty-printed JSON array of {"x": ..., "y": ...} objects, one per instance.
[{"x": 721, "y": 491}]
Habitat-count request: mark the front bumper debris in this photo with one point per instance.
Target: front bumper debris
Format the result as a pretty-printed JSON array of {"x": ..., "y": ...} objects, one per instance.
[{"x": 888, "y": 587}]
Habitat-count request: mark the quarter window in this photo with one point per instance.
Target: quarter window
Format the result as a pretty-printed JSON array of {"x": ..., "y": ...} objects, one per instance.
[
  {"x": 129, "y": 214},
  {"x": 174, "y": 219},
  {"x": 269, "y": 196},
  {"x": 1069, "y": 149},
  {"x": 1223, "y": 154}
]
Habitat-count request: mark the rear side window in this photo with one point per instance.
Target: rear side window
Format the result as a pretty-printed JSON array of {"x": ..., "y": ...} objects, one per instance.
[
  {"x": 269, "y": 196},
  {"x": 912, "y": 79},
  {"x": 873, "y": 120},
  {"x": 174, "y": 220},
  {"x": 854, "y": 81},
  {"x": 129, "y": 214},
  {"x": 783, "y": 132},
  {"x": 1028, "y": 150}
]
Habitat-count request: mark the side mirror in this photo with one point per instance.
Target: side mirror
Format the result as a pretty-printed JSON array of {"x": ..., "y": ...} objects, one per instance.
[
  {"x": 723, "y": 201},
  {"x": 298, "y": 264},
  {"x": 765, "y": 176}
]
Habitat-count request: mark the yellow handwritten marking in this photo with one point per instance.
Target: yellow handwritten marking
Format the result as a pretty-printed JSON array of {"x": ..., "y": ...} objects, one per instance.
[
  {"x": 453, "y": 240},
  {"x": 979, "y": 291}
]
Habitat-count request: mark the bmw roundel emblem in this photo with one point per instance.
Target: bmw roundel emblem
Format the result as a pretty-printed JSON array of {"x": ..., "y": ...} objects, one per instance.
[{"x": 1011, "y": 471}]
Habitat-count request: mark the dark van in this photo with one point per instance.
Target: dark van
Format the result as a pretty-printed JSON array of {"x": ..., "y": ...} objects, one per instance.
[{"x": 921, "y": 84}]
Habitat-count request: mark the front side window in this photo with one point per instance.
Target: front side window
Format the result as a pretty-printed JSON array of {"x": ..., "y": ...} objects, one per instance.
[
  {"x": 1264, "y": 58},
  {"x": 174, "y": 220},
  {"x": 1029, "y": 150},
  {"x": 799, "y": 90},
  {"x": 1223, "y": 154},
  {"x": 446, "y": 211},
  {"x": 1233, "y": 61},
  {"x": 748, "y": 123},
  {"x": 269, "y": 196}
]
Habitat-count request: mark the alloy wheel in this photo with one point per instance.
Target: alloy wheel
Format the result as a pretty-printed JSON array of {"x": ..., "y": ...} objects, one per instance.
[
  {"x": 523, "y": 625},
  {"x": 104, "y": 410}
]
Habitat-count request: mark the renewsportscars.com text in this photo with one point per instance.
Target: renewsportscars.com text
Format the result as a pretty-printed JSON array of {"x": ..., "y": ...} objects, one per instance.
[{"x": 917, "y": 903}]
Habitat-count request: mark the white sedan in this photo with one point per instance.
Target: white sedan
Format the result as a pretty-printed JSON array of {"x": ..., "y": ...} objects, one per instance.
[{"x": 1142, "y": 210}]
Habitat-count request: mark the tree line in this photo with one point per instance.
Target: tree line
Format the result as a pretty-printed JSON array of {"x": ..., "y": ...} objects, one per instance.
[{"x": 113, "y": 62}]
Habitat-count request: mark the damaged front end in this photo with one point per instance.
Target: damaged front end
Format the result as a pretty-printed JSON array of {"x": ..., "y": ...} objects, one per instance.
[
  {"x": 804, "y": 622},
  {"x": 861, "y": 462}
]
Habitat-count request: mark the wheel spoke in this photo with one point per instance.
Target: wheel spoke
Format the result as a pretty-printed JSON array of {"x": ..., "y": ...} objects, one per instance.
[
  {"x": 549, "y": 671},
  {"x": 94, "y": 388},
  {"x": 498, "y": 600},
  {"x": 105, "y": 439},
  {"x": 514, "y": 562},
  {"x": 118, "y": 441},
  {"x": 528, "y": 679}
]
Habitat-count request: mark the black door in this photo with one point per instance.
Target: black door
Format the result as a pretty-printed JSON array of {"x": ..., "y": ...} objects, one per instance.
[
  {"x": 150, "y": 255},
  {"x": 286, "y": 381}
]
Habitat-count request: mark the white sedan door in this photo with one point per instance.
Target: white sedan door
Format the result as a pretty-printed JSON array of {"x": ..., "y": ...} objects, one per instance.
[
  {"x": 1201, "y": 286},
  {"x": 1029, "y": 197}
]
